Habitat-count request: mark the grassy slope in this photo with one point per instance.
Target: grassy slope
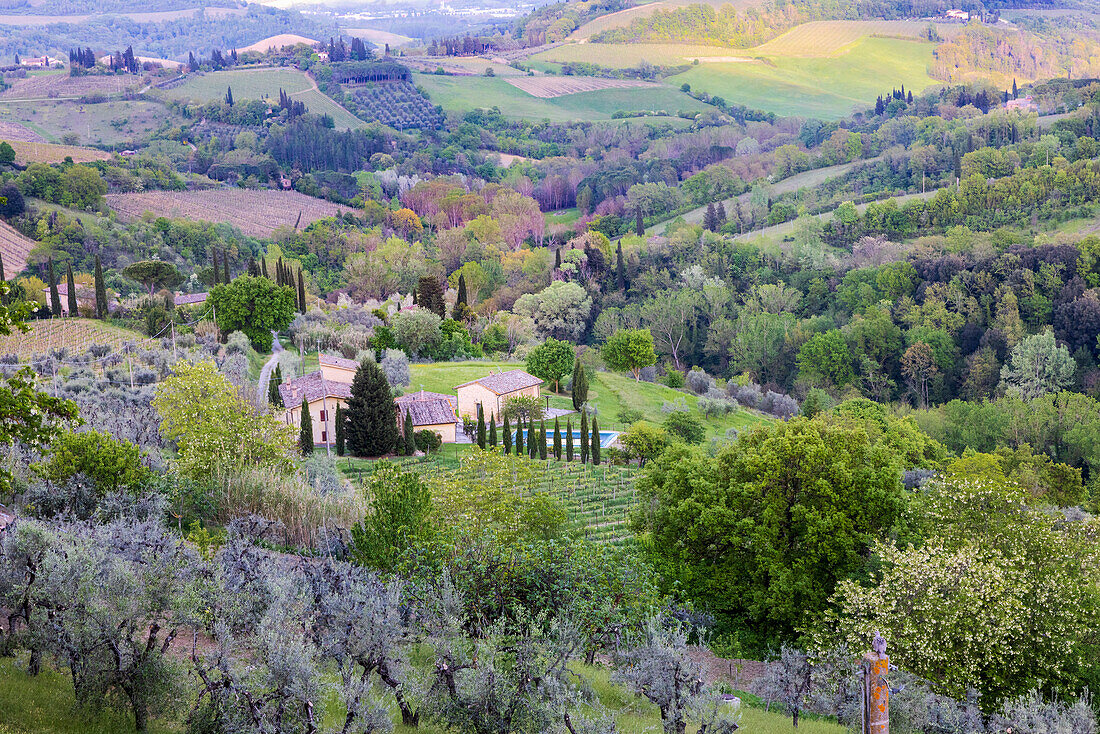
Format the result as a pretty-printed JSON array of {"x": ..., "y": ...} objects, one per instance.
[
  {"x": 109, "y": 123},
  {"x": 611, "y": 392},
  {"x": 45, "y": 705},
  {"x": 464, "y": 93},
  {"x": 262, "y": 84}
]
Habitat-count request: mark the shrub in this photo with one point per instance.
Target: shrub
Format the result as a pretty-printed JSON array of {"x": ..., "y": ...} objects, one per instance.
[
  {"x": 674, "y": 379},
  {"x": 629, "y": 415},
  {"x": 237, "y": 343},
  {"x": 428, "y": 441},
  {"x": 699, "y": 381},
  {"x": 396, "y": 367},
  {"x": 685, "y": 426}
]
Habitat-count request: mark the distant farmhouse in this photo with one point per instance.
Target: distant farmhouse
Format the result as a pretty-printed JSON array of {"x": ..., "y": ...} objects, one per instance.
[
  {"x": 85, "y": 297},
  {"x": 1023, "y": 104},
  {"x": 492, "y": 392},
  {"x": 41, "y": 62}
]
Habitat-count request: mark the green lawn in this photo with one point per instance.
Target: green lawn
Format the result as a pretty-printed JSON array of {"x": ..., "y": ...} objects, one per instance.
[
  {"x": 827, "y": 87},
  {"x": 262, "y": 84},
  {"x": 610, "y": 392},
  {"x": 45, "y": 705},
  {"x": 464, "y": 93},
  {"x": 562, "y": 216}
]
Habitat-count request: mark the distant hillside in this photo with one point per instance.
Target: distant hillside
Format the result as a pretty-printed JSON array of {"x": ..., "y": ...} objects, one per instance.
[
  {"x": 88, "y": 7},
  {"x": 277, "y": 42}
]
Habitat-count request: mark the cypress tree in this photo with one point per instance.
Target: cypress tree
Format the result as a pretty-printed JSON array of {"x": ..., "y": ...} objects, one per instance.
[
  {"x": 410, "y": 436},
  {"x": 301, "y": 292},
  {"x": 557, "y": 440},
  {"x": 620, "y": 268},
  {"x": 372, "y": 421},
  {"x": 3, "y": 296},
  {"x": 584, "y": 437},
  {"x": 100, "y": 291},
  {"x": 339, "y": 429},
  {"x": 639, "y": 225},
  {"x": 217, "y": 269},
  {"x": 225, "y": 268},
  {"x": 542, "y": 440},
  {"x": 519, "y": 437},
  {"x": 710, "y": 219},
  {"x": 273, "y": 383},
  {"x": 460, "y": 302},
  {"x": 580, "y": 386},
  {"x": 480, "y": 427},
  {"x": 506, "y": 434},
  {"x": 305, "y": 435},
  {"x": 253, "y": 268},
  {"x": 263, "y": 267},
  {"x": 279, "y": 279},
  {"x": 532, "y": 438},
  {"x": 720, "y": 211},
  {"x": 568, "y": 439},
  {"x": 70, "y": 285},
  {"x": 493, "y": 431},
  {"x": 55, "y": 298},
  {"x": 595, "y": 442},
  {"x": 557, "y": 259}
]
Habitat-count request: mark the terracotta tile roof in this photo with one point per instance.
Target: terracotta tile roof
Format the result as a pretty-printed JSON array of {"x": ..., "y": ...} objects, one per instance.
[
  {"x": 312, "y": 387},
  {"x": 426, "y": 412},
  {"x": 503, "y": 383},
  {"x": 425, "y": 395},
  {"x": 330, "y": 360},
  {"x": 187, "y": 299}
]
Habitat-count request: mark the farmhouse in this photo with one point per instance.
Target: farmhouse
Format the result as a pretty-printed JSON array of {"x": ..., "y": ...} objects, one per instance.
[
  {"x": 337, "y": 369},
  {"x": 85, "y": 297},
  {"x": 429, "y": 411},
  {"x": 1023, "y": 104},
  {"x": 492, "y": 392},
  {"x": 322, "y": 396}
]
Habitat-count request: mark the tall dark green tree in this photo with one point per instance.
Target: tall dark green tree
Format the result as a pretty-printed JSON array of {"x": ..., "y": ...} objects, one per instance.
[
  {"x": 493, "y": 431},
  {"x": 480, "y": 427},
  {"x": 263, "y": 266},
  {"x": 710, "y": 219},
  {"x": 305, "y": 433},
  {"x": 55, "y": 298},
  {"x": 461, "y": 306},
  {"x": 410, "y": 434},
  {"x": 506, "y": 434},
  {"x": 568, "y": 439},
  {"x": 532, "y": 438},
  {"x": 273, "y": 383},
  {"x": 430, "y": 296},
  {"x": 217, "y": 268},
  {"x": 100, "y": 291},
  {"x": 595, "y": 450},
  {"x": 580, "y": 386},
  {"x": 70, "y": 286},
  {"x": 584, "y": 437},
  {"x": 557, "y": 440},
  {"x": 372, "y": 421},
  {"x": 639, "y": 225},
  {"x": 301, "y": 292},
  {"x": 225, "y": 268},
  {"x": 3, "y": 279},
  {"x": 542, "y": 440},
  {"x": 229, "y": 96},
  {"x": 519, "y": 436},
  {"x": 339, "y": 430},
  {"x": 620, "y": 268}
]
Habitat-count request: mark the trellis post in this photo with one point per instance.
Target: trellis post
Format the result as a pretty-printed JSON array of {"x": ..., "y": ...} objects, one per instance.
[{"x": 876, "y": 689}]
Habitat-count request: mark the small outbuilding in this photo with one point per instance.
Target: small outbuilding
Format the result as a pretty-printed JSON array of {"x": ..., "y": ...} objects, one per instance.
[
  {"x": 493, "y": 391},
  {"x": 429, "y": 411}
]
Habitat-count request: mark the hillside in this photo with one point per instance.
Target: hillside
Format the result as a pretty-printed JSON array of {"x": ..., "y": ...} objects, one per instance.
[
  {"x": 277, "y": 42},
  {"x": 14, "y": 248}
]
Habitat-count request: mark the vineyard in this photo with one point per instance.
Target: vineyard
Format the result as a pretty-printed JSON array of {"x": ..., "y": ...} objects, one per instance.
[
  {"x": 12, "y": 131},
  {"x": 547, "y": 87},
  {"x": 255, "y": 213},
  {"x": 14, "y": 248},
  {"x": 598, "y": 499},
  {"x": 76, "y": 335},
  {"x": 397, "y": 104}
]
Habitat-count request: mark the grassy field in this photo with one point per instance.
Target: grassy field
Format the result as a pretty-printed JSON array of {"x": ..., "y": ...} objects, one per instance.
[
  {"x": 831, "y": 37},
  {"x": 563, "y": 217},
  {"x": 624, "y": 17},
  {"x": 826, "y": 87},
  {"x": 51, "y": 153},
  {"x": 262, "y": 84},
  {"x": 45, "y": 705},
  {"x": 610, "y": 392},
  {"x": 623, "y": 55},
  {"x": 464, "y": 93},
  {"x": 110, "y": 123}
]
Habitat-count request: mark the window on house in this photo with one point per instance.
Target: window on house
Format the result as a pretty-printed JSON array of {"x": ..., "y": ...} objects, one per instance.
[
  {"x": 322, "y": 416},
  {"x": 324, "y": 436}
]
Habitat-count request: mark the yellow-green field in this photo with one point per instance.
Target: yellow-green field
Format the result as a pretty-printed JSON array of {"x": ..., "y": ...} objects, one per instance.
[
  {"x": 643, "y": 10},
  {"x": 262, "y": 84},
  {"x": 464, "y": 93}
]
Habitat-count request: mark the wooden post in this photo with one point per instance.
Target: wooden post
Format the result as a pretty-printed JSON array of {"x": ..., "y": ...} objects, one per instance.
[{"x": 876, "y": 689}]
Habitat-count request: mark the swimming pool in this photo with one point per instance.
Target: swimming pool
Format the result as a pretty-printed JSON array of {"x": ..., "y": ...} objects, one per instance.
[{"x": 606, "y": 438}]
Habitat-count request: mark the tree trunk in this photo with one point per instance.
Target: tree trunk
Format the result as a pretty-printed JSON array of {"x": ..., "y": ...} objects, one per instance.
[{"x": 794, "y": 716}]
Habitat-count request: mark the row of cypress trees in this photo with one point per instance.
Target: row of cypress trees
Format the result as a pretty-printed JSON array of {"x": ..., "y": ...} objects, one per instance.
[
  {"x": 70, "y": 286},
  {"x": 536, "y": 438}
]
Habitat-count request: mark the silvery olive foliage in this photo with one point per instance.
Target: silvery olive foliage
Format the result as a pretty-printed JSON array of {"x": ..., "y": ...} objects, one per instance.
[
  {"x": 660, "y": 669},
  {"x": 396, "y": 367}
]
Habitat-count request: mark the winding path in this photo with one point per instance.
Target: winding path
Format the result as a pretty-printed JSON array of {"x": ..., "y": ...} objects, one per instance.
[{"x": 265, "y": 373}]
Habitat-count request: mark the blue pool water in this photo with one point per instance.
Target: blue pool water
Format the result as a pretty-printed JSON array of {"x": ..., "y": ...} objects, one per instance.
[{"x": 606, "y": 438}]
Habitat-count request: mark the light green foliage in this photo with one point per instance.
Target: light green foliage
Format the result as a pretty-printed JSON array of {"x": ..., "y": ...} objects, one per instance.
[
  {"x": 110, "y": 463},
  {"x": 398, "y": 520},
  {"x": 629, "y": 350},
  {"x": 154, "y": 274},
  {"x": 551, "y": 361},
  {"x": 560, "y": 310},
  {"x": 998, "y": 598},
  {"x": 762, "y": 533},
  {"x": 643, "y": 441},
  {"x": 83, "y": 187},
  {"x": 685, "y": 426},
  {"x": 1038, "y": 365},
  {"x": 213, "y": 427},
  {"x": 825, "y": 359},
  {"x": 254, "y": 305},
  {"x": 417, "y": 330}
]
